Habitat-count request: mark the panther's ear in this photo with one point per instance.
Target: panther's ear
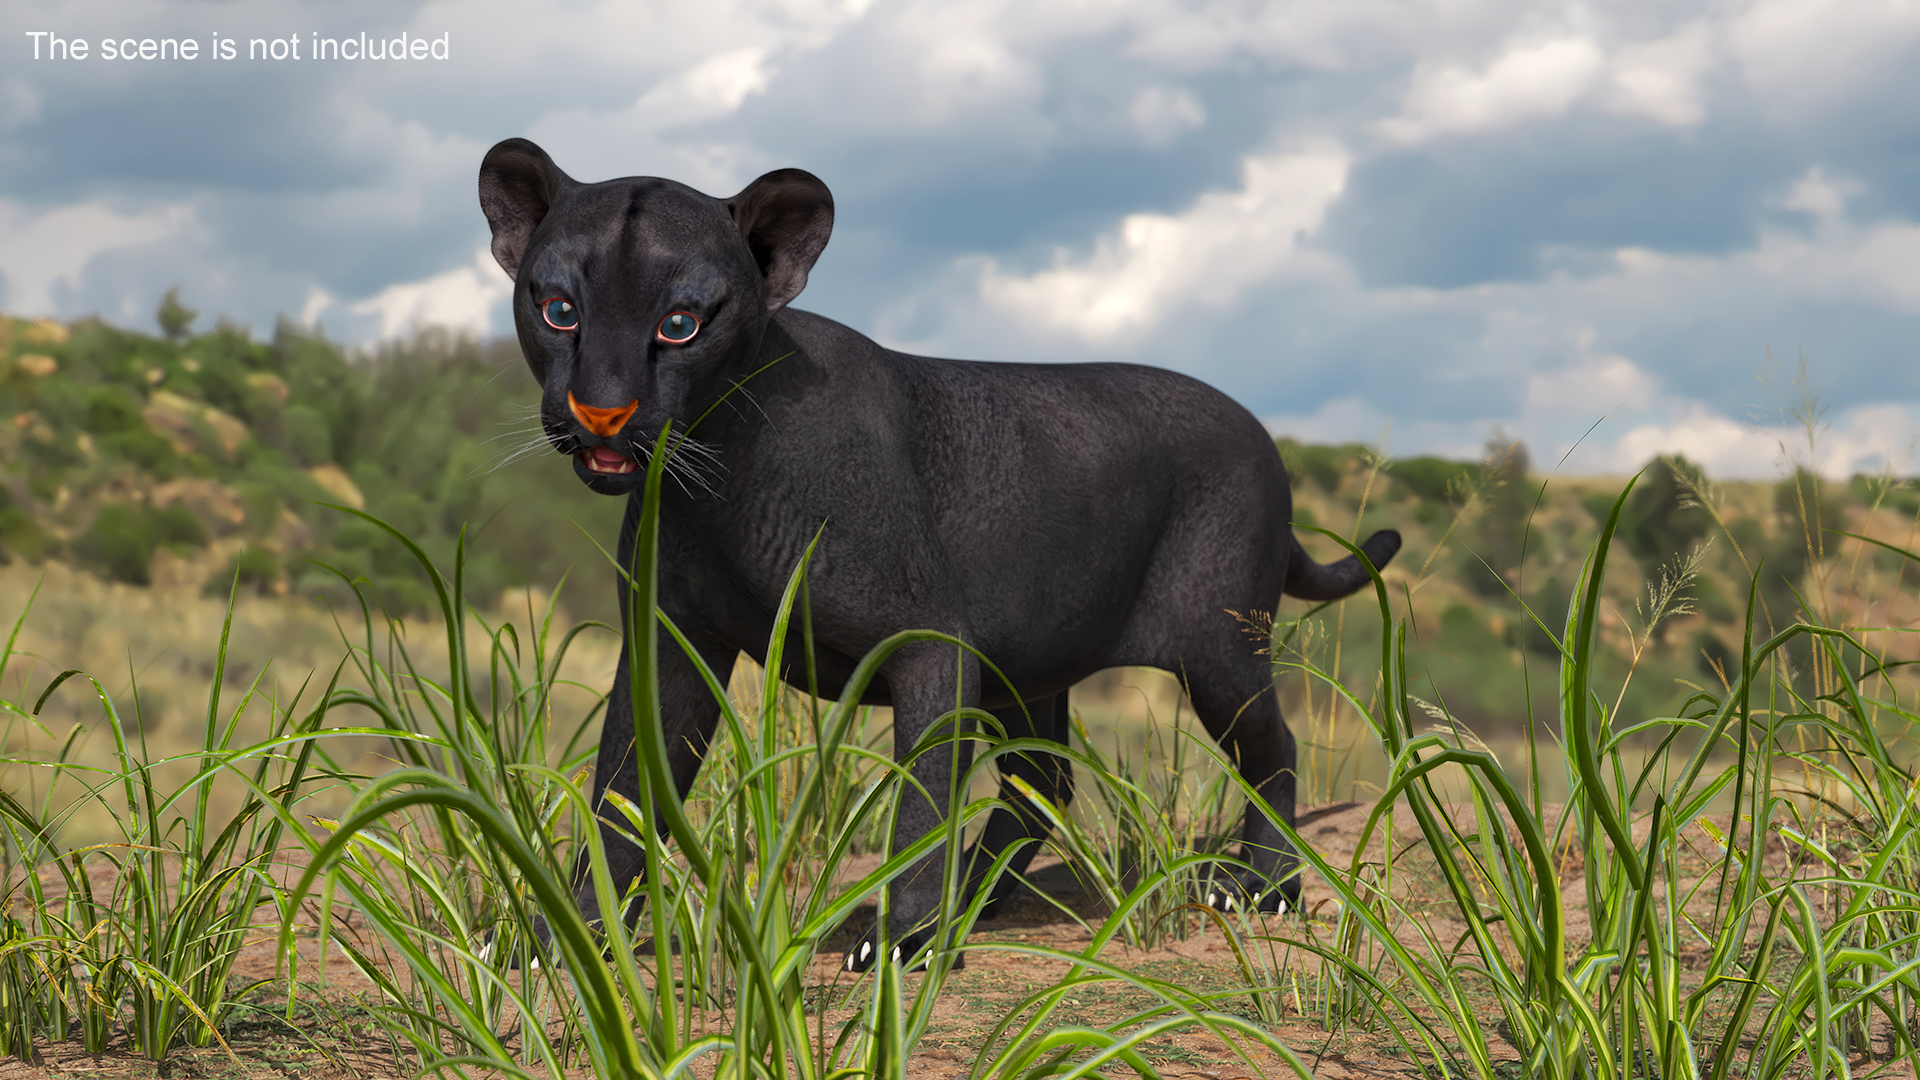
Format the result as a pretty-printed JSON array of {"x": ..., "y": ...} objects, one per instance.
[
  {"x": 785, "y": 218},
  {"x": 518, "y": 183}
]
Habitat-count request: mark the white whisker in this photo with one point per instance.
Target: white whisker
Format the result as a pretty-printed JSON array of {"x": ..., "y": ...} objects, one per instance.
[{"x": 532, "y": 441}]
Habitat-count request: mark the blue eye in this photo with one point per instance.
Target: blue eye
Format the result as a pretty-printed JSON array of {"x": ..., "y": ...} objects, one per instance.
[
  {"x": 560, "y": 315},
  {"x": 677, "y": 328}
]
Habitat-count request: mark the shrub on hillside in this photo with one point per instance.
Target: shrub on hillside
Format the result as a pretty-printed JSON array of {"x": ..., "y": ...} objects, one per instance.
[
  {"x": 1814, "y": 509},
  {"x": 120, "y": 542},
  {"x": 1325, "y": 466},
  {"x": 1434, "y": 479},
  {"x": 1661, "y": 519},
  {"x": 123, "y": 537},
  {"x": 20, "y": 535},
  {"x": 110, "y": 410}
]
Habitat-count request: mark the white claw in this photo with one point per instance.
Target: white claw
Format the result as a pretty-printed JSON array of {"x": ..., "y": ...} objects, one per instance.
[
  {"x": 866, "y": 951},
  {"x": 896, "y": 954}
]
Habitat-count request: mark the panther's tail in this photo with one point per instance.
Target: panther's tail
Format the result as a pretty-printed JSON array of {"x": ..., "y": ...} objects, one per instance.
[{"x": 1309, "y": 580}]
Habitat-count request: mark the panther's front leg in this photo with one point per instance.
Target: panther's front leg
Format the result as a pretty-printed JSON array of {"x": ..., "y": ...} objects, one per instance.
[
  {"x": 688, "y": 713},
  {"x": 927, "y": 681}
]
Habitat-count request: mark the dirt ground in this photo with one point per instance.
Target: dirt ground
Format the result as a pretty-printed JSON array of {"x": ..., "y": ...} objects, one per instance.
[{"x": 331, "y": 1039}]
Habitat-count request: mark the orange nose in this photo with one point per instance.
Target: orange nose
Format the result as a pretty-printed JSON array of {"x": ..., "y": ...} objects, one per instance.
[{"x": 602, "y": 422}]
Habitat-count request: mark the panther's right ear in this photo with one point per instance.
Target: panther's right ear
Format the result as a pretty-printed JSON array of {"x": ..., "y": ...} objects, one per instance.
[{"x": 518, "y": 183}]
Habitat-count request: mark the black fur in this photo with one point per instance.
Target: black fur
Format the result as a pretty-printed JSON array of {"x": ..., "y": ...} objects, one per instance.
[{"x": 1060, "y": 518}]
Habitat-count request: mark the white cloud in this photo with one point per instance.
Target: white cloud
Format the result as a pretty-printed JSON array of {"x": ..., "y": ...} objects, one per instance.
[
  {"x": 937, "y": 62},
  {"x": 19, "y": 104},
  {"x": 1661, "y": 79},
  {"x": 1722, "y": 446},
  {"x": 1323, "y": 35},
  {"x": 1591, "y": 386},
  {"x": 1163, "y": 113},
  {"x": 39, "y": 251},
  {"x": 1877, "y": 264},
  {"x": 1866, "y": 439},
  {"x": 1137, "y": 277},
  {"x": 1351, "y": 419},
  {"x": 1529, "y": 81},
  {"x": 1822, "y": 196},
  {"x": 461, "y": 299},
  {"x": 318, "y": 300},
  {"x": 1802, "y": 56},
  {"x": 713, "y": 88}
]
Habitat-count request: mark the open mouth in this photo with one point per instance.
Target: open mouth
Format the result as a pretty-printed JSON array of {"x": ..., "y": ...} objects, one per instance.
[{"x": 601, "y": 459}]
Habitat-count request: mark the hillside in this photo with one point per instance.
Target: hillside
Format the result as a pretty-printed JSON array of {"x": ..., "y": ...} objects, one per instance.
[
  {"x": 173, "y": 461},
  {"x": 182, "y": 458}
]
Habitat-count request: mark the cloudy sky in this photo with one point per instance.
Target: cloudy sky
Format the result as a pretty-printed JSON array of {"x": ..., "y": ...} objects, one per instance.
[{"x": 1418, "y": 225}]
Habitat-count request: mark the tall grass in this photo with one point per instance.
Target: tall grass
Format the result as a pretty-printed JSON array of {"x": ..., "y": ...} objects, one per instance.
[
  {"x": 1801, "y": 954},
  {"x": 1733, "y": 889},
  {"x": 156, "y": 942}
]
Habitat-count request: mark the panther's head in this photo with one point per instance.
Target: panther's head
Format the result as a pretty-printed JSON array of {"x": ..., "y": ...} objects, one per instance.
[{"x": 635, "y": 299}]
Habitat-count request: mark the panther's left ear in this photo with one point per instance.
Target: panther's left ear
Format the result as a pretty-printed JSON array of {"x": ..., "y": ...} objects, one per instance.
[{"x": 785, "y": 218}]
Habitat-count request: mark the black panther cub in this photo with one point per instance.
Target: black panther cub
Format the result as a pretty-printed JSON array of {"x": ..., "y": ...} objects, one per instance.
[{"x": 1059, "y": 518}]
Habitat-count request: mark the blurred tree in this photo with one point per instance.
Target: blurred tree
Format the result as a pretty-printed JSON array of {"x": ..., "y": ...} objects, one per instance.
[
  {"x": 1662, "y": 518},
  {"x": 176, "y": 319},
  {"x": 1507, "y": 497},
  {"x": 1813, "y": 511}
]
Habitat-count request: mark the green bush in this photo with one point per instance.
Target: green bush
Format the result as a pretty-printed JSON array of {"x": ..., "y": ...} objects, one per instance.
[
  {"x": 121, "y": 542},
  {"x": 123, "y": 537},
  {"x": 320, "y": 378},
  {"x": 111, "y": 409},
  {"x": 1549, "y": 604},
  {"x": 145, "y": 449},
  {"x": 309, "y": 440},
  {"x": 1899, "y": 496},
  {"x": 1500, "y": 533},
  {"x": 1463, "y": 632},
  {"x": 257, "y": 568},
  {"x": 1660, "y": 520},
  {"x": 1716, "y": 661},
  {"x": 177, "y": 525},
  {"x": 1326, "y": 466},
  {"x": 22, "y": 536},
  {"x": 1434, "y": 479},
  {"x": 1815, "y": 509}
]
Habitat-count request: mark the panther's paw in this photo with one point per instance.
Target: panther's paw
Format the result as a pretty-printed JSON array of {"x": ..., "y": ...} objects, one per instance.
[
  {"x": 542, "y": 947},
  {"x": 864, "y": 953},
  {"x": 1242, "y": 890}
]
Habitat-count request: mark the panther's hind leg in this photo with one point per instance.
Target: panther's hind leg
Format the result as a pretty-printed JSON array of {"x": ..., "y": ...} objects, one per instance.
[{"x": 1235, "y": 700}]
